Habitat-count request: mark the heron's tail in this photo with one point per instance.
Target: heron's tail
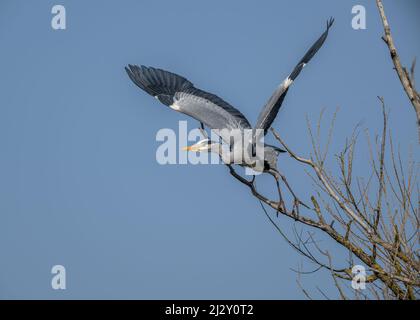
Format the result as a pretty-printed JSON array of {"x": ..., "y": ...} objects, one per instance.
[
  {"x": 157, "y": 82},
  {"x": 277, "y": 149}
]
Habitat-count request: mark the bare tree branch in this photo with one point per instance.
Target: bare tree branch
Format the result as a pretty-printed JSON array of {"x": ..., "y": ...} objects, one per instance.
[
  {"x": 407, "y": 81},
  {"x": 373, "y": 217}
]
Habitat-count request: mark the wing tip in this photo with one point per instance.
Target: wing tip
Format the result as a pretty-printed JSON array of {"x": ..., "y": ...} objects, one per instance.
[
  {"x": 133, "y": 72},
  {"x": 131, "y": 69},
  {"x": 330, "y": 22},
  {"x": 128, "y": 69}
]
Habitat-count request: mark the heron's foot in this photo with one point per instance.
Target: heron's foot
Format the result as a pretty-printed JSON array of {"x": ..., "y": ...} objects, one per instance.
[
  {"x": 296, "y": 209},
  {"x": 281, "y": 207}
]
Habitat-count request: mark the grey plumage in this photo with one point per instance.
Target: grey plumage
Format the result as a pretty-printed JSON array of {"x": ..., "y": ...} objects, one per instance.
[
  {"x": 272, "y": 107},
  {"x": 180, "y": 94},
  {"x": 176, "y": 91}
]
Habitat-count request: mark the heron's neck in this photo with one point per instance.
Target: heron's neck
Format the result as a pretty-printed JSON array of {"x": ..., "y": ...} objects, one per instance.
[
  {"x": 225, "y": 155},
  {"x": 236, "y": 155}
]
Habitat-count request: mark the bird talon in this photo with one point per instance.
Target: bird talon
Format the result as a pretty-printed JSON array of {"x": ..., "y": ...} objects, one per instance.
[{"x": 281, "y": 207}]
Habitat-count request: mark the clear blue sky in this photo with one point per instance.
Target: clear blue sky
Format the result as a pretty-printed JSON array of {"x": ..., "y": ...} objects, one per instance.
[{"x": 79, "y": 183}]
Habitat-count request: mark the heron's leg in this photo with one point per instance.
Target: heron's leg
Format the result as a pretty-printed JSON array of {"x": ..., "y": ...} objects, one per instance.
[
  {"x": 203, "y": 131},
  {"x": 296, "y": 200},
  {"x": 281, "y": 206},
  {"x": 289, "y": 188}
]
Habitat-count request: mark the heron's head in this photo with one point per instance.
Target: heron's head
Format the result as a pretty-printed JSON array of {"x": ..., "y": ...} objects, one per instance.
[{"x": 200, "y": 146}]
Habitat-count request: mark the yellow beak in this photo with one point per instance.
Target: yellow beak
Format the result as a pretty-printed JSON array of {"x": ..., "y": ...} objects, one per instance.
[{"x": 188, "y": 148}]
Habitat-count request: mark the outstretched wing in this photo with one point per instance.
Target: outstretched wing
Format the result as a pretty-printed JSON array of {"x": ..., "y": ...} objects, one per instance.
[
  {"x": 271, "y": 108},
  {"x": 181, "y": 95}
]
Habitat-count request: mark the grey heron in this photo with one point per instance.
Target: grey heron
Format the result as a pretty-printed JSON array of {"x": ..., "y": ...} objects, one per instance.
[{"x": 180, "y": 94}]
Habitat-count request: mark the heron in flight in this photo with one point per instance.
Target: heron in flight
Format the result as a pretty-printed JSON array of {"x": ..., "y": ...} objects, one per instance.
[{"x": 180, "y": 94}]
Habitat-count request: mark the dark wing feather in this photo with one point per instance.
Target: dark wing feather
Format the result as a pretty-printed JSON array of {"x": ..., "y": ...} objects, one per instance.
[
  {"x": 180, "y": 94},
  {"x": 212, "y": 110},
  {"x": 159, "y": 83},
  {"x": 272, "y": 107}
]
